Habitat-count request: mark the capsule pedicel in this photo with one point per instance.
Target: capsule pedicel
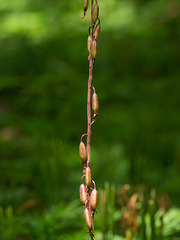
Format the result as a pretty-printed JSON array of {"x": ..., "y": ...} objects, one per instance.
[
  {"x": 83, "y": 193},
  {"x": 94, "y": 199},
  {"x": 82, "y": 152},
  {"x": 88, "y": 176},
  {"x": 95, "y": 103},
  {"x": 95, "y": 12},
  {"x": 94, "y": 49},
  {"x": 87, "y": 218}
]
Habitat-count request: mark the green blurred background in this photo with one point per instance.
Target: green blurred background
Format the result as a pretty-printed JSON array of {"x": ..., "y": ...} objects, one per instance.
[{"x": 43, "y": 91}]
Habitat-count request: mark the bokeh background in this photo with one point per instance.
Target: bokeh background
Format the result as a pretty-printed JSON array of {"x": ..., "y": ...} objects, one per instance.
[{"x": 43, "y": 91}]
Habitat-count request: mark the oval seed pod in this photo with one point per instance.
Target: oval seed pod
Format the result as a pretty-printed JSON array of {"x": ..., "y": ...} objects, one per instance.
[
  {"x": 88, "y": 176},
  {"x": 95, "y": 102},
  {"x": 85, "y": 5},
  {"x": 83, "y": 193},
  {"x": 94, "y": 199},
  {"x": 89, "y": 40},
  {"x": 82, "y": 152},
  {"x": 94, "y": 49},
  {"x": 97, "y": 31},
  {"x": 95, "y": 12},
  {"x": 87, "y": 218}
]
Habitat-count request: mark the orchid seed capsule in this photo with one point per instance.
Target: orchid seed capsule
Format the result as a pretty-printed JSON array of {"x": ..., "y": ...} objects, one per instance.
[
  {"x": 94, "y": 199},
  {"x": 87, "y": 218},
  {"x": 89, "y": 40},
  {"x": 95, "y": 12},
  {"x": 94, "y": 49},
  {"x": 97, "y": 31},
  {"x": 88, "y": 176},
  {"x": 85, "y": 6},
  {"x": 95, "y": 102},
  {"x": 83, "y": 193},
  {"x": 82, "y": 152}
]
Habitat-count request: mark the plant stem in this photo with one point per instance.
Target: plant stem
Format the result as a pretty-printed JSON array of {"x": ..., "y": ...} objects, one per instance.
[
  {"x": 89, "y": 117},
  {"x": 89, "y": 114},
  {"x": 89, "y": 95}
]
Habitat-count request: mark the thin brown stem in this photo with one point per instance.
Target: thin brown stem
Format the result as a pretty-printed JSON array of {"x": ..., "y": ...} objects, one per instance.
[
  {"x": 89, "y": 94},
  {"x": 89, "y": 117}
]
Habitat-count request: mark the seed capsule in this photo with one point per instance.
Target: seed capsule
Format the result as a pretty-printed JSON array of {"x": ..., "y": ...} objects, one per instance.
[
  {"x": 95, "y": 12},
  {"x": 97, "y": 31},
  {"x": 83, "y": 193},
  {"x": 88, "y": 176},
  {"x": 94, "y": 199},
  {"x": 95, "y": 103},
  {"x": 87, "y": 218},
  {"x": 89, "y": 40},
  {"x": 85, "y": 6},
  {"x": 94, "y": 49},
  {"x": 82, "y": 152}
]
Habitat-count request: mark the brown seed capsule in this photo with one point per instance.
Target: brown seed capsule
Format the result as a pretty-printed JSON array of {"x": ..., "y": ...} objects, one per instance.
[
  {"x": 94, "y": 49},
  {"x": 82, "y": 152},
  {"x": 94, "y": 199},
  {"x": 89, "y": 40},
  {"x": 88, "y": 176},
  {"x": 83, "y": 193},
  {"x": 87, "y": 218},
  {"x": 85, "y": 5},
  {"x": 95, "y": 12},
  {"x": 95, "y": 103},
  {"x": 97, "y": 31}
]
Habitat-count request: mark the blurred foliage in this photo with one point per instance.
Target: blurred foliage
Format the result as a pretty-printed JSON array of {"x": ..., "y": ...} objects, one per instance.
[{"x": 43, "y": 84}]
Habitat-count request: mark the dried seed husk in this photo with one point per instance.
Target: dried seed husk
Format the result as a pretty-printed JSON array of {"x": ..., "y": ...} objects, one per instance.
[
  {"x": 85, "y": 5},
  {"x": 82, "y": 152},
  {"x": 83, "y": 193},
  {"x": 89, "y": 40},
  {"x": 87, "y": 218},
  {"x": 94, "y": 199},
  {"x": 94, "y": 49},
  {"x": 88, "y": 176},
  {"x": 95, "y": 12},
  {"x": 95, "y": 103},
  {"x": 97, "y": 31}
]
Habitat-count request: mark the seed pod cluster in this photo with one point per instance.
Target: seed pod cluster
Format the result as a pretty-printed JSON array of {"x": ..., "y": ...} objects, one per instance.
[
  {"x": 89, "y": 198},
  {"x": 92, "y": 39},
  {"x": 92, "y": 47}
]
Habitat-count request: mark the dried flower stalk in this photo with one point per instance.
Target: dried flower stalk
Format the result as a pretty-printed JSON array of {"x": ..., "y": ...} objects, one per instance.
[{"x": 89, "y": 196}]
